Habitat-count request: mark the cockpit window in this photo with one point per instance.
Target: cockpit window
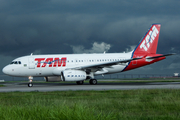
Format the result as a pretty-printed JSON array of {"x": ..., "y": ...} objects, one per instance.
[
  {"x": 12, "y": 62},
  {"x": 16, "y": 62}
]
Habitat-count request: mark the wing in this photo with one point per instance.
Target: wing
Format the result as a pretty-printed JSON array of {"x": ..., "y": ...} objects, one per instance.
[{"x": 96, "y": 67}]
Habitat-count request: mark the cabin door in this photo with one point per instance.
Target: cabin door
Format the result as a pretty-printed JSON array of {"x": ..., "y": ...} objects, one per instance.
[{"x": 31, "y": 63}]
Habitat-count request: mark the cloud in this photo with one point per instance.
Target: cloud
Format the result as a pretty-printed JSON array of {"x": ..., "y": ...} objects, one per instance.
[
  {"x": 174, "y": 66},
  {"x": 51, "y": 26},
  {"x": 130, "y": 48},
  {"x": 96, "y": 48}
]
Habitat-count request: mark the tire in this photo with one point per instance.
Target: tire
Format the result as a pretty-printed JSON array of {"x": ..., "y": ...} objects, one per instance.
[
  {"x": 80, "y": 82},
  {"x": 93, "y": 81},
  {"x": 30, "y": 84}
]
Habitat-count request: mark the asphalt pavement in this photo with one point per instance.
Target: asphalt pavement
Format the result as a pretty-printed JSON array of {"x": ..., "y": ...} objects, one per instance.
[{"x": 44, "y": 87}]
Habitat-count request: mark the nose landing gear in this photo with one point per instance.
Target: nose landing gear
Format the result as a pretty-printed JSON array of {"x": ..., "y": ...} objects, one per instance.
[{"x": 30, "y": 84}]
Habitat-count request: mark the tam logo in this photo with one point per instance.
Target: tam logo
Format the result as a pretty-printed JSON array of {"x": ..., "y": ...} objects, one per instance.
[
  {"x": 53, "y": 62},
  {"x": 149, "y": 38}
]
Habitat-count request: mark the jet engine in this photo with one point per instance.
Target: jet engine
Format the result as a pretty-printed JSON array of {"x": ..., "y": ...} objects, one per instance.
[{"x": 73, "y": 75}]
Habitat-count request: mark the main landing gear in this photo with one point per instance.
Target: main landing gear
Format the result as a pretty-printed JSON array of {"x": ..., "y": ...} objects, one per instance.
[
  {"x": 91, "y": 81},
  {"x": 80, "y": 82},
  {"x": 30, "y": 84}
]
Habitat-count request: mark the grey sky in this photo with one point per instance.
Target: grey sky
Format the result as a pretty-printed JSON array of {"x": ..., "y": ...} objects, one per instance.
[{"x": 68, "y": 26}]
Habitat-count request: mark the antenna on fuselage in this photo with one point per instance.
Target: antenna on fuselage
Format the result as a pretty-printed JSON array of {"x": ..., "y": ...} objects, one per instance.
[{"x": 31, "y": 54}]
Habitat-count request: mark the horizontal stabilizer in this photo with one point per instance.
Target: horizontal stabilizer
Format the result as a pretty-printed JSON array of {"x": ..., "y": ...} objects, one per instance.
[{"x": 161, "y": 56}]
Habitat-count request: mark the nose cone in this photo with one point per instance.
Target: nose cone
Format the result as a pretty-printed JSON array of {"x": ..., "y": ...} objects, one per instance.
[{"x": 5, "y": 70}]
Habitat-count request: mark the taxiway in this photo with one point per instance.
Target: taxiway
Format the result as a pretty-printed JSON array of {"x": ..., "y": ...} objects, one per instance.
[{"x": 44, "y": 87}]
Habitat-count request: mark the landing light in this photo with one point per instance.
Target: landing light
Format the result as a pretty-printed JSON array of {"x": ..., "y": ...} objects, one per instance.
[{"x": 30, "y": 77}]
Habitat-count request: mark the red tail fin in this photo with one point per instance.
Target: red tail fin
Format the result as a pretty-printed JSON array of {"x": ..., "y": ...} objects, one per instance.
[{"x": 150, "y": 41}]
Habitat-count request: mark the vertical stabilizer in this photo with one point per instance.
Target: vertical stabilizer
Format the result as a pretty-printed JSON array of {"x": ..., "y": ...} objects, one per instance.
[{"x": 150, "y": 41}]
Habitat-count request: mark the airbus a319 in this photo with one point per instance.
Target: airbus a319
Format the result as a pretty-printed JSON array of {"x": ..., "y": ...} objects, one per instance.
[{"x": 80, "y": 67}]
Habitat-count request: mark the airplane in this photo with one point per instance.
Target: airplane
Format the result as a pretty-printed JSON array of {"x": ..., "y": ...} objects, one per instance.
[{"x": 81, "y": 67}]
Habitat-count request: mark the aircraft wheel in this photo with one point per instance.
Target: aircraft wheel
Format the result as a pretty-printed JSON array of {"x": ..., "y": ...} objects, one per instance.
[
  {"x": 93, "y": 81},
  {"x": 80, "y": 82},
  {"x": 30, "y": 84}
]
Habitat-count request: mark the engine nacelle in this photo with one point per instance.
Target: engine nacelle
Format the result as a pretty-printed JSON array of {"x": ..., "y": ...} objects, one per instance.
[
  {"x": 73, "y": 75},
  {"x": 53, "y": 79}
]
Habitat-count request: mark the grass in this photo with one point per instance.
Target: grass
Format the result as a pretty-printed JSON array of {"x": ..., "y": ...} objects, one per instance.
[
  {"x": 1, "y": 85},
  {"x": 158, "y": 104},
  {"x": 147, "y": 80}
]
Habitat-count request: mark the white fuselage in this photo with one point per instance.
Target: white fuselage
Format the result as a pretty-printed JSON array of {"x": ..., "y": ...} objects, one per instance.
[{"x": 48, "y": 65}]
